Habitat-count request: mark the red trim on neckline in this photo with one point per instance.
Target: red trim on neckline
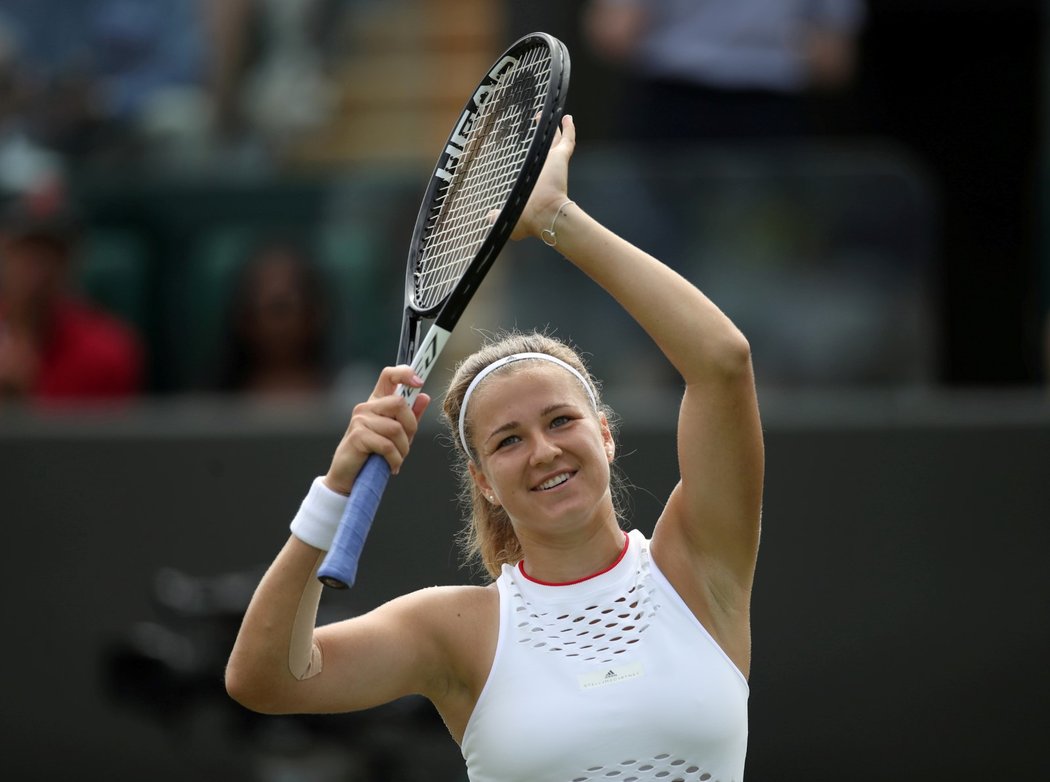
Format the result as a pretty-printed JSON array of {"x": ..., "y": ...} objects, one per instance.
[{"x": 603, "y": 571}]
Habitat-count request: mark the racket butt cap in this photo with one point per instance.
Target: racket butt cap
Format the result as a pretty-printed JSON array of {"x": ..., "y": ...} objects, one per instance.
[{"x": 333, "y": 582}]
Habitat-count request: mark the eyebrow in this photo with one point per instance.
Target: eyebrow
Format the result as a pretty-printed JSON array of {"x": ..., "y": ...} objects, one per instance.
[{"x": 515, "y": 424}]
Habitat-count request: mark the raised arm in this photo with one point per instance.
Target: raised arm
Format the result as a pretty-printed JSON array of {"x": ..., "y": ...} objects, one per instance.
[
  {"x": 279, "y": 663},
  {"x": 709, "y": 529}
]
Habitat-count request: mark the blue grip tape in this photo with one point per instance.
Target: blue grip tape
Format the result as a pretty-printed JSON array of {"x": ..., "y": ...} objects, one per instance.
[{"x": 339, "y": 568}]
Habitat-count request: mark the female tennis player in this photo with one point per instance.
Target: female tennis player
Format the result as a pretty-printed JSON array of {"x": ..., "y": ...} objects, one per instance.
[{"x": 595, "y": 653}]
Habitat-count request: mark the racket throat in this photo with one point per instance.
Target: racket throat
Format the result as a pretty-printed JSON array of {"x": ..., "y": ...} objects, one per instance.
[{"x": 426, "y": 358}]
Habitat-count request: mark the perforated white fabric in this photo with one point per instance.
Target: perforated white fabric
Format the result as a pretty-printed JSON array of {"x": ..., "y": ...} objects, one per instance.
[
  {"x": 611, "y": 679},
  {"x": 662, "y": 768},
  {"x": 595, "y": 632}
]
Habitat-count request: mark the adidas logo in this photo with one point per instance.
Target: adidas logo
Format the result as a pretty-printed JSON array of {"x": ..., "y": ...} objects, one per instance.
[{"x": 603, "y": 677}]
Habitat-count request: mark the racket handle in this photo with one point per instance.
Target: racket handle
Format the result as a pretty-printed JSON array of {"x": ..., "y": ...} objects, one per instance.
[{"x": 339, "y": 568}]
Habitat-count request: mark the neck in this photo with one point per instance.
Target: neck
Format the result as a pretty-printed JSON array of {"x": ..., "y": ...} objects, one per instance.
[{"x": 565, "y": 562}]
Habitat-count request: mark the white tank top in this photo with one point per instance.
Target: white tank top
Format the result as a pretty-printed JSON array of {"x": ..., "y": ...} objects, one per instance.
[{"x": 609, "y": 679}]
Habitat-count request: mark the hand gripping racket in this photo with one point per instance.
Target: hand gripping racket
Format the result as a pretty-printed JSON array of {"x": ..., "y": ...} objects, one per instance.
[{"x": 479, "y": 188}]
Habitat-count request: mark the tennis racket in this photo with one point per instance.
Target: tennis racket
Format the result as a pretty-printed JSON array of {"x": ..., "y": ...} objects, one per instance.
[{"x": 474, "y": 198}]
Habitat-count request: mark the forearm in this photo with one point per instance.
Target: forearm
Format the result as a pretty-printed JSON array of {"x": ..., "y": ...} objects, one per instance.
[
  {"x": 275, "y": 646},
  {"x": 697, "y": 338}
]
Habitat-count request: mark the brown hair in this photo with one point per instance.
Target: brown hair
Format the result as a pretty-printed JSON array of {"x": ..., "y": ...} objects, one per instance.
[{"x": 487, "y": 537}]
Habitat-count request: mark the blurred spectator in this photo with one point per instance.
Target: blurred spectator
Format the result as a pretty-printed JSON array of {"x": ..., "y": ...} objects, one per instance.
[
  {"x": 99, "y": 74},
  {"x": 286, "y": 89},
  {"x": 278, "y": 326},
  {"x": 179, "y": 81},
  {"x": 724, "y": 68},
  {"x": 22, "y": 160},
  {"x": 55, "y": 347}
]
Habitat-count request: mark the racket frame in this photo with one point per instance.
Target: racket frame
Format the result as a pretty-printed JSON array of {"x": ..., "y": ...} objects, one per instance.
[
  {"x": 339, "y": 568},
  {"x": 446, "y": 312}
]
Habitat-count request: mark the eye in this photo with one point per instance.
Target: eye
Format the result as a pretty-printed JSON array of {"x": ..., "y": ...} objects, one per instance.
[
  {"x": 507, "y": 441},
  {"x": 560, "y": 420}
]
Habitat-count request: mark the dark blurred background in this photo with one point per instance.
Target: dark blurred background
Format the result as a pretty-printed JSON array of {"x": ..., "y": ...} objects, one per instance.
[{"x": 208, "y": 204}]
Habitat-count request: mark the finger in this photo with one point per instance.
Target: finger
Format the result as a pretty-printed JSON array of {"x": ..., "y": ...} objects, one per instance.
[
  {"x": 398, "y": 414},
  {"x": 569, "y": 125},
  {"x": 393, "y": 449},
  {"x": 383, "y": 425},
  {"x": 371, "y": 426},
  {"x": 391, "y": 377},
  {"x": 409, "y": 425},
  {"x": 566, "y": 135},
  {"x": 368, "y": 432},
  {"x": 420, "y": 405},
  {"x": 395, "y": 431},
  {"x": 405, "y": 419},
  {"x": 389, "y": 406}
]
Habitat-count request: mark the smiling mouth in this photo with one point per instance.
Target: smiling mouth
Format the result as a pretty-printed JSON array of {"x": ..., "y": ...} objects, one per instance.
[{"x": 557, "y": 480}]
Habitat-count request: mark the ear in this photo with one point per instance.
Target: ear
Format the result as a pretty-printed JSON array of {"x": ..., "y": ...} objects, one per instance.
[
  {"x": 607, "y": 437},
  {"x": 482, "y": 483}
]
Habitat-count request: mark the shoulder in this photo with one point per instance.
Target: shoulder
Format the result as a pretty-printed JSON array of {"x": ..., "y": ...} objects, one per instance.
[
  {"x": 103, "y": 352},
  {"x": 450, "y": 611},
  {"x": 462, "y": 623},
  {"x": 96, "y": 324},
  {"x": 436, "y": 626},
  {"x": 455, "y": 597},
  {"x": 81, "y": 330}
]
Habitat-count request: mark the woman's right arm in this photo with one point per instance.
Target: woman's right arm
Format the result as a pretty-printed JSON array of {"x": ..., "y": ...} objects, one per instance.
[{"x": 279, "y": 662}]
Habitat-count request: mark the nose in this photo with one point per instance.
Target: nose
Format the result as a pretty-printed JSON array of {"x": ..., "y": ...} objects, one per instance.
[{"x": 544, "y": 450}]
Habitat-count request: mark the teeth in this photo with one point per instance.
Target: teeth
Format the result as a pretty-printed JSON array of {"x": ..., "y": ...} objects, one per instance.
[{"x": 555, "y": 481}]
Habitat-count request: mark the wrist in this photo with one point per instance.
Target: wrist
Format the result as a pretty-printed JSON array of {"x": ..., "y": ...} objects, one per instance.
[
  {"x": 334, "y": 485},
  {"x": 549, "y": 235},
  {"x": 319, "y": 514}
]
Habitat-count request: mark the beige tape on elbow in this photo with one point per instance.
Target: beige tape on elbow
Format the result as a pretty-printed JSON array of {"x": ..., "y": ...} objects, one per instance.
[{"x": 304, "y": 655}]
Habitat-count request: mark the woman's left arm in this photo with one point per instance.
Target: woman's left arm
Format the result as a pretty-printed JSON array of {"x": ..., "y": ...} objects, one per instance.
[{"x": 710, "y": 526}]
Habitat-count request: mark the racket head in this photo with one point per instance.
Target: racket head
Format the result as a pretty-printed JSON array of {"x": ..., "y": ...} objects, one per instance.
[{"x": 484, "y": 176}]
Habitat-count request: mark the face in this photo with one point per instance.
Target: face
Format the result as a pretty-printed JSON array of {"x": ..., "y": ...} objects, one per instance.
[
  {"x": 32, "y": 271},
  {"x": 542, "y": 451},
  {"x": 278, "y": 321}
]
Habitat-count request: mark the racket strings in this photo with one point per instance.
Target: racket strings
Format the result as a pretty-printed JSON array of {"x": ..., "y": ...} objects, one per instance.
[
  {"x": 496, "y": 148},
  {"x": 487, "y": 171}
]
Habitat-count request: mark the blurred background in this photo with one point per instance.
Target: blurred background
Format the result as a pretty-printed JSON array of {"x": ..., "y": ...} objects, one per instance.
[{"x": 206, "y": 209}]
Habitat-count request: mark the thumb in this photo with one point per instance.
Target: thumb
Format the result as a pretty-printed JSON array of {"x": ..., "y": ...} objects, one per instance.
[{"x": 420, "y": 405}]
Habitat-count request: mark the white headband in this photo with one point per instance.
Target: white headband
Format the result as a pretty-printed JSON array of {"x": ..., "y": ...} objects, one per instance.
[{"x": 510, "y": 360}]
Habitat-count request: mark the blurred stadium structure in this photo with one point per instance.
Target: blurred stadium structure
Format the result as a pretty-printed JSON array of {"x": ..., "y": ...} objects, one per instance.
[{"x": 909, "y": 225}]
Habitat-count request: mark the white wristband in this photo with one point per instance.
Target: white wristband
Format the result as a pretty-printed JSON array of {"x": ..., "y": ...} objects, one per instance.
[{"x": 319, "y": 514}]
